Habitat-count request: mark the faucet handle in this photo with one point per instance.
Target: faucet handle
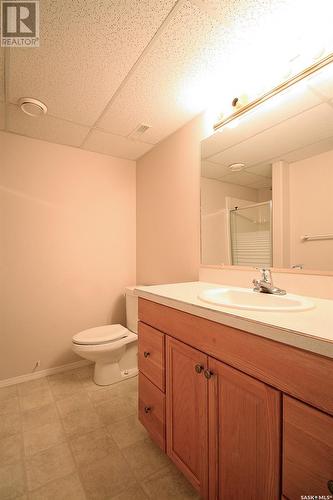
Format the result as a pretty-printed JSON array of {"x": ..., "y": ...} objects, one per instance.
[{"x": 266, "y": 275}]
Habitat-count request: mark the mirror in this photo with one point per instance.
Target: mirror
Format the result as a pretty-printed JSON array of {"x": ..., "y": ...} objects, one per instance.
[{"x": 267, "y": 182}]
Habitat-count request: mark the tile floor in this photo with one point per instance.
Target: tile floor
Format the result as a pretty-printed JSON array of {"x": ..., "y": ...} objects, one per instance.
[{"x": 63, "y": 437}]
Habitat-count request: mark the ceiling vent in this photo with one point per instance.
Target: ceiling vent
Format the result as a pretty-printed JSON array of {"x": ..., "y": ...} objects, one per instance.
[
  {"x": 139, "y": 131},
  {"x": 236, "y": 167},
  {"x": 32, "y": 107}
]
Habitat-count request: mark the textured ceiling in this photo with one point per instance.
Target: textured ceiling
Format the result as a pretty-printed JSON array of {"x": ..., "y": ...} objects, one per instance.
[{"x": 106, "y": 66}]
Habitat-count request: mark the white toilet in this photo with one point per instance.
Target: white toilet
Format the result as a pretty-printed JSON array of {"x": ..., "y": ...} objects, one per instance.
[{"x": 113, "y": 348}]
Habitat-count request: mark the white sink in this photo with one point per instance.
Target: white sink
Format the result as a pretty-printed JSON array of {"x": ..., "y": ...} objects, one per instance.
[{"x": 246, "y": 298}]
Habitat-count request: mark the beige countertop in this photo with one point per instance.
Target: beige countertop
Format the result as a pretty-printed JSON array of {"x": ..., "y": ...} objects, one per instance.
[{"x": 311, "y": 330}]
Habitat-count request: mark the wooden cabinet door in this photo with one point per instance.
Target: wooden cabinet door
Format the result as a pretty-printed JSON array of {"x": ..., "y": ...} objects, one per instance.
[
  {"x": 244, "y": 436},
  {"x": 187, "y": 412},
  {"x": 307, "y": 451}
]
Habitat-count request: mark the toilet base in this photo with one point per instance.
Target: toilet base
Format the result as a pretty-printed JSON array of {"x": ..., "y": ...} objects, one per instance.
[{"x": 110, "y": 373}]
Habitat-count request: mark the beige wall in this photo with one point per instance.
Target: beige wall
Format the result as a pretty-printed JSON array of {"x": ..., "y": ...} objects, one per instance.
[
  {"x": 302, "y": 193},
  {"x": 68, "y": 248},
  {"x": 168, "y": 208},
  {"x": 311, "y": 212},
  {"x": 281, "y": 215}
]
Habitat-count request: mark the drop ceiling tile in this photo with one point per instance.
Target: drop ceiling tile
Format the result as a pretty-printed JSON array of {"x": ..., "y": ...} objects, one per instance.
[
  {"x": 311, "y": 126},
  {"x": 212, "y": 170},
  {"x": 45, "y": 127},
  {"x": 310, "y": 150},
  {"x": 321, "y": 82},
  {"x": 264, "y": 170},
  {"x": 189, "y": 66},
  {"x": 86, "y": 50},
  {"x": 158, "y": 91},
  {"x": 261, "y": 183},
  {"x": 242, "y": 178},
  {"x": 211, "y": 146},
  {"x": 115, "y": 145}
]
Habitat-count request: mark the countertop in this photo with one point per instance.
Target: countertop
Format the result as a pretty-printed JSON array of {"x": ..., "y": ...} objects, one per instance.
[{"x": 311, "y": 330}]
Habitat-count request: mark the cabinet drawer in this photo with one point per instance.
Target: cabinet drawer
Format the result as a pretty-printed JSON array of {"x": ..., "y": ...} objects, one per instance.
[
  {"x": 307, "y": 450},
  {"x": 151, "y": 355},
  {"x": 152, "y": 410}
]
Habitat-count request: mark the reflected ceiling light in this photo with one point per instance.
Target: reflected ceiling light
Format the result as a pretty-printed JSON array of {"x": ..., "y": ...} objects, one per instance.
[
  {"x": 32, "y": 107},
  {"x": 236, "y": 167}
]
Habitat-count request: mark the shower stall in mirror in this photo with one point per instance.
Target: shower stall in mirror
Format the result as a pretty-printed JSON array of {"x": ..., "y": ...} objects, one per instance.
[{"x": 250, "y": 235}]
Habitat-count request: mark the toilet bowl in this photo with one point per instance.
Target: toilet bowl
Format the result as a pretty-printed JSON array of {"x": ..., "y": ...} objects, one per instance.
[{"x": 113, "y": 348}]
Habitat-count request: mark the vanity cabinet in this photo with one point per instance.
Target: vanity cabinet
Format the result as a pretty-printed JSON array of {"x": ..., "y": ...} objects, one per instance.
[{"x": 242, "y": 416}]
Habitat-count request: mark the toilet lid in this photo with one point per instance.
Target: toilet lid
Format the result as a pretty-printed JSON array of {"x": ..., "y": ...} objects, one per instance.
[{"x": 101, "y": 335}]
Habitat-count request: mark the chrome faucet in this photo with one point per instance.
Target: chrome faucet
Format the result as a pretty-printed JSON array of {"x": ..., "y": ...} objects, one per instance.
[{"x": 265, "y": 284}]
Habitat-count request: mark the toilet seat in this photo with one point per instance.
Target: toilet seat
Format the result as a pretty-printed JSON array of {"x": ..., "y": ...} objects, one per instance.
[{"x": 101, "y": 335}]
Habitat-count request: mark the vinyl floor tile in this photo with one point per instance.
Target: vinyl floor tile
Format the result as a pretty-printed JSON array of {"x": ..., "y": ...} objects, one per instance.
[{"x": 64, "y": 438}]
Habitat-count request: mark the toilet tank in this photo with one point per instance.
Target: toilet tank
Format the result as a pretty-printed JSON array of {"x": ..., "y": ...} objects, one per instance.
[{"x": 131, "y": 309}]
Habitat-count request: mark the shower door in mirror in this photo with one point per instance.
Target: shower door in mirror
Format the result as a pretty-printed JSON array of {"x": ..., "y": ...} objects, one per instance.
[{"x": 251, "y": 235}]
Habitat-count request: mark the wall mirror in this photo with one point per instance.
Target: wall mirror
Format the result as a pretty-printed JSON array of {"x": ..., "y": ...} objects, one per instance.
[{"x": 267, "y": 182}]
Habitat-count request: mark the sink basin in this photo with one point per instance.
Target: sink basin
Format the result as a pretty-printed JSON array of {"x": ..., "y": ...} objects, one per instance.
[{"x": 246, "y": 298}]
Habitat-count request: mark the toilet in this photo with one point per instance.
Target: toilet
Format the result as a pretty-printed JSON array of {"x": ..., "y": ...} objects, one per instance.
[{"x": 113, "y": 348}]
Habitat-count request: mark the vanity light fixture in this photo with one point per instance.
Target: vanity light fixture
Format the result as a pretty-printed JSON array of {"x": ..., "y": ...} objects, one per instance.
[
  {"x": 239, "y": 102},
  {"x": 276, "y": 90},
  {"x": 32, "y": 107}
]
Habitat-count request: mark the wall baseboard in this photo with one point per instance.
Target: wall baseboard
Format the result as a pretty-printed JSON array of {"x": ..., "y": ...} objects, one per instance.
[{"x": 44, "y": 373}]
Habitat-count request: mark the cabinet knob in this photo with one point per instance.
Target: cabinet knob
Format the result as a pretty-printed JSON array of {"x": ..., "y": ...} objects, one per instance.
[
  {"x": 208, "y": 374},
  {"x": 147, "y": 409},
  {"x": 330, "y": 485},
  {"x": 146, "y": 354},
  {"x": 198, "y": 368}
]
